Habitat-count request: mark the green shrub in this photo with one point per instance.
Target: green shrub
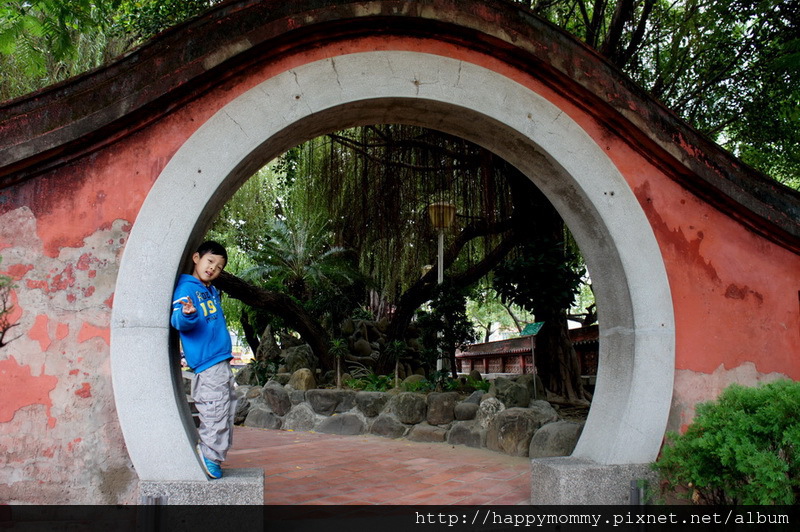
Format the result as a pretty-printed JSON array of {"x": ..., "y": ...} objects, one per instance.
[
  {"x": 371, "y": 383},
  {"x": 740, "y": 449},
  {"x": 421, "y": 386},
  {"x": 479, "y": 384},
  {"x": 263, "y": 370}
]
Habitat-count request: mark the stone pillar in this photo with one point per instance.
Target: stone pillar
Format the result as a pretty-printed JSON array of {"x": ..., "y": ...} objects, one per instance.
[
  {"x": 236, "y": 487},
  {"x": 568, "y": 480}
]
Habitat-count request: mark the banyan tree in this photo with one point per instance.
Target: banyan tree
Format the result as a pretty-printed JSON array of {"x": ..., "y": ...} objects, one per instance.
[{"x": 372, "y": 187}]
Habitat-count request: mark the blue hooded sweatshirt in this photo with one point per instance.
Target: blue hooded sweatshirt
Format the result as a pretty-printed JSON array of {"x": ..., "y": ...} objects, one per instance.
[{"x": 204, "y": 333}]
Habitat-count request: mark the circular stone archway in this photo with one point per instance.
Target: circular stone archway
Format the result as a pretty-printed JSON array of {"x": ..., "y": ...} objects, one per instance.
[{"x": 629, "y": 413}]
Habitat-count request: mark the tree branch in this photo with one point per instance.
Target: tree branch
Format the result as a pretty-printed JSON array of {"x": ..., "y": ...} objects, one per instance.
[{"x": 284, "y": 307}]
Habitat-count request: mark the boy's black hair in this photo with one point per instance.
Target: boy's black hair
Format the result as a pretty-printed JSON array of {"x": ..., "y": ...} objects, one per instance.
[{"x": 214, "y": 248}]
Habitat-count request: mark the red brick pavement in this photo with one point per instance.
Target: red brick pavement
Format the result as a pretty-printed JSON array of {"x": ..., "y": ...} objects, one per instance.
[{"x": 313, "y": 468}]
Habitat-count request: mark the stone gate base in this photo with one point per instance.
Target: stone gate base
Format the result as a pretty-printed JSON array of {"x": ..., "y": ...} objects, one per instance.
[
  {"x": 236, "y": 487},
  {"x": 567, "y": 480}
]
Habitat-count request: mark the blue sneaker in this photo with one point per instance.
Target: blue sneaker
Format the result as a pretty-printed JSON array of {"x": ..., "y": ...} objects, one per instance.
[{"x": 212, "y": 469}]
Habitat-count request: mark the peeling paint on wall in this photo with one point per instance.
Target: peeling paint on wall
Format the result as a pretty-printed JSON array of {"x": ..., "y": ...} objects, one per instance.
[
  {"x": 29, "y": 389},
  {"x": 692, "y": 387},
  {"x": 59, "y": 434}
]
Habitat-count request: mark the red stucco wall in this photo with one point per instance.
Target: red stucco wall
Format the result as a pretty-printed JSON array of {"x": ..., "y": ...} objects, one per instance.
[{"x": 735, "y": 294}]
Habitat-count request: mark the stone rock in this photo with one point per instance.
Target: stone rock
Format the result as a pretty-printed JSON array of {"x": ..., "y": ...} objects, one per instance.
[
  {"x": 297, "y": 397},
  {"x": 298, "y": 357},
  {"x": 488, "y": 409},
  {"x": 383, "y": 324},
  {"x": 347, "y": 400},
  {"x": 302, "y": 379},
  {"x": 441, "y": 408},
  {"x": 510, "y": 393},
  {"x": 387, "y": 426},
  {"x": 261, "y": 417},
  {"x": 424, "y": 432},
  {"x": 267, "y": 346},
  {"x": 288, "y": 341},
  {"x": 475, "y": 397},
  {"x": 412, "y": 379},
  {"x": 280, "y": 378},
  {"x": 544, "y": 411},
  {"x": 466, "y": 411},
  {"x": 325, "y": 401},
  {"x": 475, "y": 375},
  {"x": 410, "y": 408},
  {"x": 511, "y": 430},
  {"x": 277, "y": 398},
  {"x": 253, "y": 392},
  {"x": 468, "y": 433},
  {"x": 329, "y": 377},
  {"x": 301, "y": 418},
  {"x": 242, "y": 409},
  {"x": 241, "y": 391},
  {"x": 536, "y": 392},
  {"x": 555, "y": 439},
  {"x": 371, "y": 403},
  {"x": 246, "y": 376},
  {"x": 342, "y": 424},
  {"x": 362, "y": 348}
]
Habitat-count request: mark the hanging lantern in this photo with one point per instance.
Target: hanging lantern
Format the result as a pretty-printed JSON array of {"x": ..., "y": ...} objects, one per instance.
[{"x": 442, "y": 214}]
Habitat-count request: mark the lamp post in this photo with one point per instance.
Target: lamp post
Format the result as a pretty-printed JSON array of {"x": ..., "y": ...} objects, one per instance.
[{"x": 442, "y": 215}]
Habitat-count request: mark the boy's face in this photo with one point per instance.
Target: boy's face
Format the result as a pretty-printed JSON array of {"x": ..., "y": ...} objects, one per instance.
[{"x": 208, "y": 267}]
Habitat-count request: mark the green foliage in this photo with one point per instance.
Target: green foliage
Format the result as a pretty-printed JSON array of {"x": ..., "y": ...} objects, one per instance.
[
  {"x": 742, "y": 448},
  {"x": 420, "y": 386},
  {"x": 297, "y": 253},
  {"x": 362, "y": 313},
  {"x": 396, "y": 349},
  {"x": 479, "y": 384},
  {"x": 339, "y": 348},
  {"x": 371, "y": 383},
  {"x": 263, "y": 370},
  {"x": 542, "y": 274},
  {"x": 146, "y": 18},
  {"x": 729, "y": 68},
  {"x": 438, "y": 381},
  {"x": 449, "y": 313},
  {"x": 485, "y": 309},
  {"x": 46, "y": 41},
  {"x": 292, "y": 254}
]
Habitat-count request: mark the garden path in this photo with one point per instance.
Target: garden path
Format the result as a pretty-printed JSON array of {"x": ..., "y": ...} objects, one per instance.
[{"x": 324, "y": 469}]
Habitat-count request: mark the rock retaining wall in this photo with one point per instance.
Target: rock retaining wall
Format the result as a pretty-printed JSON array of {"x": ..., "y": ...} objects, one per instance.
[{"x": 477, "y": 420}]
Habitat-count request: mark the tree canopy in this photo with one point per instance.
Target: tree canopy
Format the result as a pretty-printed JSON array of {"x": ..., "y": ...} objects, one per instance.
[{"x": 730, "y": 68}]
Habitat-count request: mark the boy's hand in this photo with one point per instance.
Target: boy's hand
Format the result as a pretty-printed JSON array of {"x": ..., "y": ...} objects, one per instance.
[{"x": 188, "y": 306}]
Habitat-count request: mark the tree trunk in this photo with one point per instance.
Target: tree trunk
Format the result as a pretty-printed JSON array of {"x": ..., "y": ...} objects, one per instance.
[
  {"x": 250, "y": 335},
  {"x": 556, "y": 359},
  {"x": 286, "y": 308},
  {"x": 424, "y": 288}
]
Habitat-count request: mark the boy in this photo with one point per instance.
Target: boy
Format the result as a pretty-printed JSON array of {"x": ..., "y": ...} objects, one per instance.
[{"x": 197, "y": 315}]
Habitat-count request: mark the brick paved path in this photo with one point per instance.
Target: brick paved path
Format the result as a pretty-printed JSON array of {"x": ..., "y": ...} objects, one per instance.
[{"x": 313, "y": 468}]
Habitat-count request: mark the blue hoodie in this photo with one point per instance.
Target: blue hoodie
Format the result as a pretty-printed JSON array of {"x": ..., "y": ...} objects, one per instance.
[{"x": 204, "y": 333}]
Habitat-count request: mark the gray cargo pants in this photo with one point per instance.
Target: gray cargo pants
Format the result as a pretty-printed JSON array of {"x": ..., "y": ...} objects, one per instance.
[{"x": 212, "y": 390}]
